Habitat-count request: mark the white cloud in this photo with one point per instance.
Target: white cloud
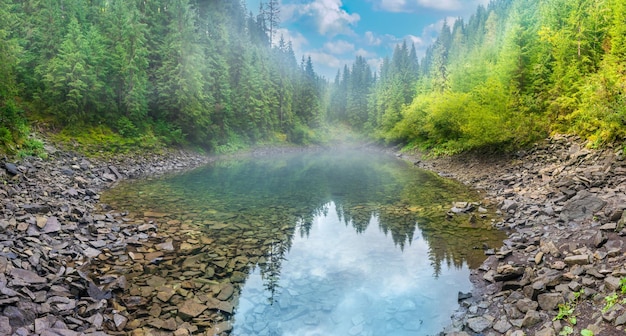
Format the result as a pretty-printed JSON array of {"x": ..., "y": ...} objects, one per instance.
[
  {"x": 372, "y": 39},
  {"x": 325, "y": 59},
  {"x": 328, "y": 15},
  {"x": 339, "y": 47},
  {"x": 393, "y": 5},
  {"x": 462, "y": 7},
  {"x": 445, "y": 5},
  {"x": 416, "y": 40}
]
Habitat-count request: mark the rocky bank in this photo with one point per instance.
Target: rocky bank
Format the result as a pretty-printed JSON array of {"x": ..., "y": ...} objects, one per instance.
[
  {"x": 52, "y": 228},
  {"x": 559, "y": 271}
]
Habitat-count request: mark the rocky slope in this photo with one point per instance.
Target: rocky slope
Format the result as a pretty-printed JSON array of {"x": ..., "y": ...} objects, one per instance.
[{"x": 560, "y": 270}]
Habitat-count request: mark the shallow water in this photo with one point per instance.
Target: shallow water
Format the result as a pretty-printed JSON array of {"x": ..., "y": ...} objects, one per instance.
[{"x": 328, "y": 242}]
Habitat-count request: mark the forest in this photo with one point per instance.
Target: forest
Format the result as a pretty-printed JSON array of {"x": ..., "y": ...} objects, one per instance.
[
  {"x": 185, "y": 72},
  {"x": 210, "y": 74},
  {"x": 514, "y": 73}
]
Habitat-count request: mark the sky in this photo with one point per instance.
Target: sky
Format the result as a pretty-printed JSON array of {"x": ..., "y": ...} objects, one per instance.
[{"x": 334, "y": 32}]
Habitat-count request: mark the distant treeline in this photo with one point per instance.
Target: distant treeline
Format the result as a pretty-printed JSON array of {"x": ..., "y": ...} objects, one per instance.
[
  {"x": 201, "y": 72},
  {"x": 517, "y": 70}
]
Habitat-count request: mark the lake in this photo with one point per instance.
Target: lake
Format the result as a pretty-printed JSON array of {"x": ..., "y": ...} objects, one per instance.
[{"x": 333, "y": 241}]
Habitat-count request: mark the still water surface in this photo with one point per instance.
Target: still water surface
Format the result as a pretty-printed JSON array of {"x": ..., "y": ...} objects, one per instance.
[{"x": 329, "y": 242}]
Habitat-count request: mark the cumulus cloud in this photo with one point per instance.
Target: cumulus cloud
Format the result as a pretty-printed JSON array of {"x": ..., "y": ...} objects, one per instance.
[
  {"x": 339, "y": 47},
  {"x": 328, "y": 15},
  {"x": 411, "y": 6},
  {"x": 393, "y": 5}
]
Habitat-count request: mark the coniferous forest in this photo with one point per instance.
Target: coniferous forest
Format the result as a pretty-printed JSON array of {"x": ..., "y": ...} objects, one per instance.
[
  {"x": 205, "y": 73},
  {"x": 213, "y": 75},
  {"x": 513, "y": 73}
]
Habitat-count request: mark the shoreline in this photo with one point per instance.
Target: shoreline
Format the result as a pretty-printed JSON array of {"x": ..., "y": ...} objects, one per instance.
[
  {"x": 564, "y": 258},
  {"x": 560, "y": 202}
]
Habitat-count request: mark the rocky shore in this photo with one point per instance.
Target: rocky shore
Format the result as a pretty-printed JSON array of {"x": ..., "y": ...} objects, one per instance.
[
  {"x": 52, "y": 227},
  {"x": 558, "y": 273},
  {"x": 561, "y": 270}
]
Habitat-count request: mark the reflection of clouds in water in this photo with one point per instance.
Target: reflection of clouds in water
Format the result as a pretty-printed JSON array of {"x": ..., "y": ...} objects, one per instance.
[{"x": 346, "y": 280}]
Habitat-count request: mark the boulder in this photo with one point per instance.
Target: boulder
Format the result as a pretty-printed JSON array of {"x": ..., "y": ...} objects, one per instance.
[{"x": 550, "y": 301}]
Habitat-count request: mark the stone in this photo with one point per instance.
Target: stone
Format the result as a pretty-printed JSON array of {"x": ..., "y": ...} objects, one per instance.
[
  {"x": 5, "y": 325},
  {"x": 219, "y": 328},
  {"x": 550, "y": 301},
  {"x": 464, "y": 296},
  {"x": 52, "y": 225},
  {"x": 620, "y": 320},
  {"x": 546, "y": 332},
  {"x": 41, "y": 221},
  {"x": 599, "y": 239},
  {"x": 91, "y": 252},
  {"x": 190, "y": 309},
  {"x": 226, "y": 292},
  {"x": 508, "y": 204},
  {"x": 167, "y": 246},
  {"x": 120, "y": 321},
  {"x": 478, "y": 324},
  {"x": 538, "y": 257},
  {"x": 11, "y": 168},
  {"x": 612, "y": 283},
  {"x": 165, "y": 293},
  {"x": 26, "y": 276},
  {"x": 502, "y": 325},
  {"x": 558, "y": 265},
  {"x": 36, "y": 208},
  {"x": 549, "y": 248},
  {"x": 577, "y": 260},
  {"x": 582, "y": 206},
  {"x": 531, "y": 318},
  {"x": 525, "y": 304},
  {"x": 507, "y": 272}
]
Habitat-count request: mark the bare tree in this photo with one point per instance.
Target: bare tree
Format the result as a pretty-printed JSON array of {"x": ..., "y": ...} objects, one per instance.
[{"x": 271, "y": 12}]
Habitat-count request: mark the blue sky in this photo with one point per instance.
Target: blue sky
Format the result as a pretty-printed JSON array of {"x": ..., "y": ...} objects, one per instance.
[{"x": 334, "y": 32}]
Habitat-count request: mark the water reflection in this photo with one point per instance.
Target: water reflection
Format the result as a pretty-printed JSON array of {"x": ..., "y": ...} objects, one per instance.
[
  {"x": 245, "y": 221},
  {"x": 339, "y": 282}
]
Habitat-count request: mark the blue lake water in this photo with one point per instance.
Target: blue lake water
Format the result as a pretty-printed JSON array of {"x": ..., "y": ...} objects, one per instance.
[{"x": 323, "y": 242}]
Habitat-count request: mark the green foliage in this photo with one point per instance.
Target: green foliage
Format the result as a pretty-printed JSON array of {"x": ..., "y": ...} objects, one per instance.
[
  {"x": 586, "y": 332},
  {"x": 511, "y": 74},
  {"x": 103, "y": 141},
  {"x": 32, "y": 147},
  {"x": 183, "y": 72},
  {"x": 567, "y": 330},
  {"x": 126, "y": 128},
  {"x": 610, "y": 301},
  {"x": 566, "y": 310}
]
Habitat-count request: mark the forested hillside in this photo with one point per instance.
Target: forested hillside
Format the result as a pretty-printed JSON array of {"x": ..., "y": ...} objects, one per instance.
[
  {"x": 515, "y": 71},
  {"x": 206, "y": 73}
]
